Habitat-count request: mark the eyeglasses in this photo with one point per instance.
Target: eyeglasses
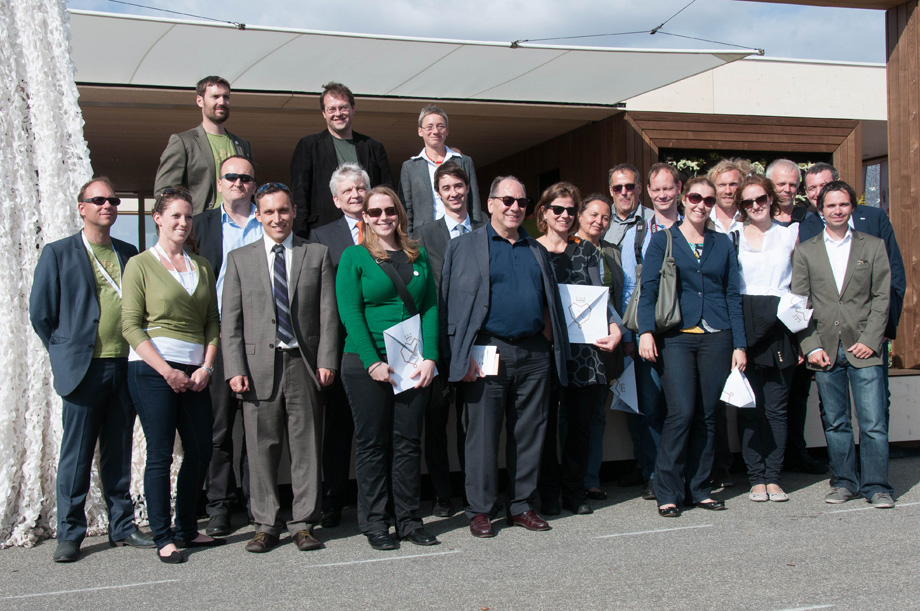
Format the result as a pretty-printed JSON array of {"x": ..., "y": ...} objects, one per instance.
[
  {"x": 629, "y": 187},
  {"x": 276, "y": 186},
  {"x": 558, "y": 210},
  {"x": 376, "y": 212},
  {"x": 696, "y": 198},
  {"x": 509, "y": 201},
  {"x": 760, "y": 201},
  {"x": 344, "y": 109},
  {"x": 101, "y": 201},
  {"x": 440, "y": 127},
  {"x": 243, "y": 178}
]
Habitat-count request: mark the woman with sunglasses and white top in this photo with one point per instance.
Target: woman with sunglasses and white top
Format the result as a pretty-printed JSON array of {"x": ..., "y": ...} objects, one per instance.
[
  {"x": 169, "y": 317},
  {"x": 699, "y": 353},
  {"x": 765, "y": 257}
]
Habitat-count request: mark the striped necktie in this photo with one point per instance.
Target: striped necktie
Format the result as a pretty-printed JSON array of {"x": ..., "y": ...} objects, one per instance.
[
  {"x": 280, "y": 292},
  {"x": 462, "y": 229}
]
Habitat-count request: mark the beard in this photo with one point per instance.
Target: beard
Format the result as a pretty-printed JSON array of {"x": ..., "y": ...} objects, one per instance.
[{"x": 212, "y": 115}]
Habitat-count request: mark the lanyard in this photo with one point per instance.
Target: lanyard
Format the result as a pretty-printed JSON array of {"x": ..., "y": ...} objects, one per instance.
[
  {"x": 101, "y": 269},
  {"x": 168, "y": 264}
]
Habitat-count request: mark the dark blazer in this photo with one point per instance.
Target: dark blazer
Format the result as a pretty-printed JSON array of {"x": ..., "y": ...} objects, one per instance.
[
  {"x": 248, "y": 330},
  {"x": 210, "y": 237},
  {"x": 465, "y": 297},
  {"x": 188, "y": 160},
  {"x": 63, "y": 307},
  {"x": 709, "y": 289},
  {"x": 859, "y": 312},
  {"x": 415, "y": 191},
  {"x": 770, "y": 343},
  {"x": 873, "y": 221},
  {"x": 336, "y": 236},
  {"x": 434, "y": 237},
  {"x": 312, "y": 165}
]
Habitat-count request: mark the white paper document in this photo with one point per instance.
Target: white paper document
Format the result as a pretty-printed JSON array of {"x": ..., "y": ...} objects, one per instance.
[
  {"x": 623, "y": 390},
  {"x": 404, "y": 352},
  {"x": 487, "y": 359},
  {"x": 738, "y": 391},
  {"x": 793, "y": 313},
  {"x": 585, "y": 310}
]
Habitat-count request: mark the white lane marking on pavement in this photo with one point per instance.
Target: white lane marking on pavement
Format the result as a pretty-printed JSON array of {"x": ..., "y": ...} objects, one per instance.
[
  {"x": 871, "y": 507},
  {"x": 809, "y": 608},
  {"x": 124, "y": 585},
  {"x": 318, "y": 566},
  {"x": 647, "y": 532}
]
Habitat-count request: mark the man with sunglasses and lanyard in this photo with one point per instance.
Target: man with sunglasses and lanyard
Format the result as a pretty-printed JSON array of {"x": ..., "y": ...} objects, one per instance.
[
  {"x": 75, "y": 308},
  {"x": 498, "y": 289},
  {"x": 219, "y": 230},
  {"x": 625, "y": 187}
]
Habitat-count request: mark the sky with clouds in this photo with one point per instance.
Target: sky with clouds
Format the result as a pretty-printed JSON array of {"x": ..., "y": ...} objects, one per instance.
[{"x": 781, "y": 30}]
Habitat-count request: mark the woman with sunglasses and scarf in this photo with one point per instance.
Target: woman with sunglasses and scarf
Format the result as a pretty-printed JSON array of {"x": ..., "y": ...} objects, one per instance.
[
  {"x": 765, "y": 257},
  {"x": 169, "y": 317},
  {"x": 575, "y": 261},
  {"x": 698, "y": 354},
  {"x": 388, "y": 426}
]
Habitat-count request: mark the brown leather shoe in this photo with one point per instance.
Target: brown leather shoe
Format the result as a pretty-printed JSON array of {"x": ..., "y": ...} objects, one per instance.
[
  {"x": 481, "y": 526},
  {"x": 261, "y": 543},
  {"x": 530, "y": 521},
  {"x": 306, "y": 541}
]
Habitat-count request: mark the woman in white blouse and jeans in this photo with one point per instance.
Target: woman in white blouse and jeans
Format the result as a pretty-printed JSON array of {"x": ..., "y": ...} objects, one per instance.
[{"x": 765, "y": 259}]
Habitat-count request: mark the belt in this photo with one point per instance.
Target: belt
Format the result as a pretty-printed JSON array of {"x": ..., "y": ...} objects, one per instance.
[{"x": 289, "y": 351}]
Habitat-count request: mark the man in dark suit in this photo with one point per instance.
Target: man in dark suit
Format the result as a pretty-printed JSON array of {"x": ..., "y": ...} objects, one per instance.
[
  {"x": 280, "y": 337},
  {"x": 219, "y": 230},
  {"x": 192, "y": 158},
  {"x": 498, "y": 289},
  {"x": 845, "y": 275},
  {"x": 348, "y": 186},
  {"x": 453, "y": 186},
  {"x": 318, "y": 155},
  {"x": 75, "y": 308},
  {"x": 417, "y": 187}
]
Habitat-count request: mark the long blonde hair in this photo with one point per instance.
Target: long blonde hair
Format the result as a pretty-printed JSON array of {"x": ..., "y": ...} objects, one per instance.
[{"x": 372, "y": 243}]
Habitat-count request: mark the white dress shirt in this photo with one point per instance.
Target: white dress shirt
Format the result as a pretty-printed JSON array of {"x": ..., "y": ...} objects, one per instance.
[
  {"x": 768, "y": 271},
  {"x": 432, "y": 166},
  {"x": 736, "y": 223},
  {"x": 453, "y": 227},
  {"x": 288, "y": 244},
  {"x": 838, "y": 251},
  {"x": 353, "y": 227}
]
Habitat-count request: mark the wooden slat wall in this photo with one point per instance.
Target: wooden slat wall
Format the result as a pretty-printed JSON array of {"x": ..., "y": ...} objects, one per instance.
[{"x": 903, "y": 45}]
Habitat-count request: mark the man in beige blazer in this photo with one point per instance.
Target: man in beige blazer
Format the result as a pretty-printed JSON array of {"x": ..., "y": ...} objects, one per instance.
[
  {"x": 280, "y": 338},
  {"x": 846, "y": 277}
]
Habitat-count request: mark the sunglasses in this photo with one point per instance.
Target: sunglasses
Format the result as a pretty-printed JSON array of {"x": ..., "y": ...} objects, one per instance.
[
  {"x": 100, "y": 201},
  {"x": 696, "y": 198},
  {"x": 243, "y": 178},
  {"x": 558, "y": 210},
  {"x": 629, "y": 187},
  {"x": 509, "y": 201},
  {"x": 760, "y": 201},
  {"x": 277, "y": 186},
  {"x": 376, "y": 212}
]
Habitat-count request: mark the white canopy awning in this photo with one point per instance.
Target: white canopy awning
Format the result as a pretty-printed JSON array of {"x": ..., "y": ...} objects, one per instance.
[{"x": 130, "y": 50}]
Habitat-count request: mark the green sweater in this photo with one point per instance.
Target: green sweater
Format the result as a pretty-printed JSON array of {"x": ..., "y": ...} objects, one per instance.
[
  {"x": 369, "y": 304},
  {"x": 154, "y": 304}
]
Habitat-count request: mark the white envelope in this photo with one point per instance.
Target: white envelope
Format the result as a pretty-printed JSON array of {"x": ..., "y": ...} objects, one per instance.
[
  {"x": 404, "y": 352},
  {"x": 585, "y": 309},
  {"x": 738, "y": 391},
  {"x": 623, "y": 390},
  {"x": 487, "y": 358},
  {"x": 793, "y": 313}
]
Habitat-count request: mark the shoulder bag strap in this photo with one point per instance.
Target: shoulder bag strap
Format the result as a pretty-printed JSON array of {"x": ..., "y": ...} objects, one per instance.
[{"x": 398, "y": 283}]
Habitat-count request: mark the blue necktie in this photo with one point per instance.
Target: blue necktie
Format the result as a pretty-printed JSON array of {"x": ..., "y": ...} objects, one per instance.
[{"x": 280, "y": 292}]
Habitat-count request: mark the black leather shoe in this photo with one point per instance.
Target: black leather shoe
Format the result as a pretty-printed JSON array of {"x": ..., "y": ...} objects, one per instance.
[
  {"x": 67, "y": 551},
  {"x": 175, "y": 557},
  {"x": 442, "y": 509},
  {"x": 420, "y": 536},
  {"x": 331, "y": 518},
  {"x": 381, "y": 541},
  {"x": 218, "y": 526},
  {"x": 581, "y": 509},
  {"x": 669, "y": 512},
  {"x": 596, "y": 495},
  {"x": 135, "y": 539},
  {"x": 648, "y": 491},
  {"x": 712, "y": 505}
]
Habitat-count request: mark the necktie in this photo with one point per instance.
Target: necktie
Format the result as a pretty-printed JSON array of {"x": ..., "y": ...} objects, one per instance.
[
  {"x": 280, "y": 292},
  {"x": 462, "y": 229},
  {"x": 360, "y": 225}
]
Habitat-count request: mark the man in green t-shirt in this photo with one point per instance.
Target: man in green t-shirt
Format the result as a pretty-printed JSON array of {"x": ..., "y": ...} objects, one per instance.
[
  {"x": 75, "y": 308},
  {"x": 192, "y": 158}
]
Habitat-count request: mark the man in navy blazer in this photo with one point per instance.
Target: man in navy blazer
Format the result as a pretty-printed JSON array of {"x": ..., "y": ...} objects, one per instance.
[
  {"x": 75, "y": 308},
  {"x": 498, "y": 289},
  {"x": 318, "y": 155}
]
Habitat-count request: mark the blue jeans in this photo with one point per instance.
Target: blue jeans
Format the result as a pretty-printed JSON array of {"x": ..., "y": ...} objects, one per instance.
[
  {"x": 645, "y": 428},
  {"x": 868, "y": 388},
  {"x": 163, "y": 413}
]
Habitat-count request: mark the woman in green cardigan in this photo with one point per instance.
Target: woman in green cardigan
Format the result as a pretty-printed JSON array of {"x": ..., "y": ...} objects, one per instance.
[{"x": 388, "y": 426}]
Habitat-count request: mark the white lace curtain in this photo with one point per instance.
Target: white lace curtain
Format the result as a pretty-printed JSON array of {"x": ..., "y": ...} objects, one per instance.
[{"x": 43, "y": 161}]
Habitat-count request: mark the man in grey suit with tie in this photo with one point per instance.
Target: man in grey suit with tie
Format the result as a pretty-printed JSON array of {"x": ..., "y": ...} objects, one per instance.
[
  {"x": 192, "y": 158},
  {"x": 280, "y": 337},
  {"x": 417, "y": 185},
  {"x": 846, "y": 277},
  {"x": 75, "y": 308}
]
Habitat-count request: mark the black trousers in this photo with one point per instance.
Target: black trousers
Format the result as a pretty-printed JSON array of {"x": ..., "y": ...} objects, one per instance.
[
  {"x": 762, "y": 429},
  {"x": 221, "y": 478},
  {"x": 437, "y": 416},
  {"x": 339, "y": 428}
]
